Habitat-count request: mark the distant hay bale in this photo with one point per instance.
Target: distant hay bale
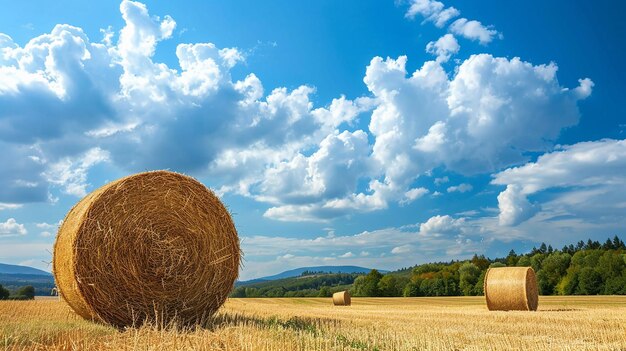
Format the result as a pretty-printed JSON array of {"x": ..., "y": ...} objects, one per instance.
[
  {"x": 511, "y": 288},
  {"x": 342, "y": 298},
  {"x": 155, "y": 247}
]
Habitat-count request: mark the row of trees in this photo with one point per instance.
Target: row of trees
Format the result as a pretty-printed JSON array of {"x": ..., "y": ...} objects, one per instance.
[
  {"x": 589, "y": 268},
  {"x": 319, "y": 285},
  {"x": 24, "y": 293},
  {"x": 307, "y": 273},
  {"x": 586, "y": 268}
]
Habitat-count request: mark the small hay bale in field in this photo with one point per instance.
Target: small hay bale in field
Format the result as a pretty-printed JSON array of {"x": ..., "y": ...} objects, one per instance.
[
  {"x": 511, "y": 288},
  {"x": 342, "y": 298},
  {"x": 155, "y": 247}
]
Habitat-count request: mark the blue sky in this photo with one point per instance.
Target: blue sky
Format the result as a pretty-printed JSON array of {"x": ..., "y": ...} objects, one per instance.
[{"x": 375, "y": 133}]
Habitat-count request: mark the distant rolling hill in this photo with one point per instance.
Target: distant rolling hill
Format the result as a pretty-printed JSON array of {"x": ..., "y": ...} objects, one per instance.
[
  {"x": 15, "y": 269},
  {"x": 309, "y": 285},
  {"x": 14, "y": 277},
  {"x": 298, "y": 271}
]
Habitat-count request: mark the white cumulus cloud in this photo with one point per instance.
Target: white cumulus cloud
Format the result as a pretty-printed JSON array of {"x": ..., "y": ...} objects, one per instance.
[
  {"x": 71, "y": 173},
  {"x": 588, "y": 177},
  {"x": 442, "y": 180},
  {"x": 473, "y": 30},
  {"x": 438, "y": 225},
  {"x": 433, "y": 11},
  {"x": 12, "y": 227},
  {"x": 444, "y": 47},
  {"x": 514, "y": 206},
  {"x": 402, "y": 249},
  {"x": 461, "y": 188},
  {"x": 413, "y": 194},
  {"x": 436, "y": 12}
]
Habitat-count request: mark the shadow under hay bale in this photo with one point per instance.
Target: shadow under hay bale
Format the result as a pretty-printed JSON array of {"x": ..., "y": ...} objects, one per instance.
[
  {"x": 511, "y": 288},
  {"x": 155, "y": 247},
  {"x": 342, "y": 298}
]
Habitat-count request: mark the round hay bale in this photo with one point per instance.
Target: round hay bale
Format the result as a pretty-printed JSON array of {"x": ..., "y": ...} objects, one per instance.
[
  {"x": 342, "y": 298},
  {"x": 156, "y": 247},
  {"x": 511, "y": 288}
]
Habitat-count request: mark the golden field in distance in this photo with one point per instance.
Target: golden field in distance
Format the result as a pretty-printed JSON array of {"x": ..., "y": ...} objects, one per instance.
[{"x": 430, "y": 323}]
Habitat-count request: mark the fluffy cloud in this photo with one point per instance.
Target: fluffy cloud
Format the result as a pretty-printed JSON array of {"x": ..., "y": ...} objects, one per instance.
[
  {"x": 436, "y": 12},
  {"x": 484, "y": 118},
  {"x": 402, "y": 249},
  {"x": 438, "y": 225},
  {"x": 433, "y": 11},
  {"x": 461, "y": 188},
  {"x": 514, "y": 206},
  {"x": 340, "y": 156},
  {"x": 444, "y": 47},
  {"x": 47, "y": 227},
  {"x": 413, "y": 194},
  {"x": 407, "y": 108},
  {"x": 71, "y": 173},
  {"x": 442, "y": 180},
  {"x": 11, "y": 227},
  {"x": 501, "y": 107},
  {"x": 320, "y": 179},
  {"x": 473, "y": 30},
  {"x": 587, "y": 180}
]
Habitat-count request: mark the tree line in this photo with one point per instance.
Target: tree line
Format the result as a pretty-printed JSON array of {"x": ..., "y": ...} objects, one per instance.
[
  {"x": 587, "y": 268},
  {"x": 584, "y": 268},
  {"x": 318, "y": 285},
  {"x": 23, "y": 293}
]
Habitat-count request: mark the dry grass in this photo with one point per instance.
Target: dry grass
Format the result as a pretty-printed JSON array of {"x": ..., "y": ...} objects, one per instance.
[{"x": 459, "y": 323}]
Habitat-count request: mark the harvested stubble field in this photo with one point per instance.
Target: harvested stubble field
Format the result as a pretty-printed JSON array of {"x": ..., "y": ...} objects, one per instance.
[{"x": 456, "y": 323}]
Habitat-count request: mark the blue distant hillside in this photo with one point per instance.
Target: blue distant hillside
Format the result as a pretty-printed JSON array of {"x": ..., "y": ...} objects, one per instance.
[
  {"x": 15, "y": 269},
  {"x": 298, "y": 271},
  {"x": 13, "y": 277}
]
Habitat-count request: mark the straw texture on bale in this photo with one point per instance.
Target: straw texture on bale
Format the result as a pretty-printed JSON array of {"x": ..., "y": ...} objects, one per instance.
[
  {"x": 342, "y": 298},
  {"x": 511, "y": 288},
  {"x": 155, "y": 247}
]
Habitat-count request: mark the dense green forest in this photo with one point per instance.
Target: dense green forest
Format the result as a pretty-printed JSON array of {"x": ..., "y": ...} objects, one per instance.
[
  {"x": 309, "y": 284},
  {"x": 23, "y": 293},
  {"x": 13, "y": 282},
  {"x": 587, "y": 268}
]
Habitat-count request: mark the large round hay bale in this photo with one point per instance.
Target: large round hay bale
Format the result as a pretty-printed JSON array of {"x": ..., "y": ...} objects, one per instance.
[
  {"x": 342, "y": 298},
  {"x": 511, "y": 288},
  {"x": 155, "y": 247}
]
